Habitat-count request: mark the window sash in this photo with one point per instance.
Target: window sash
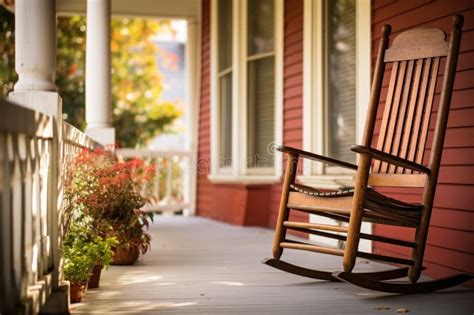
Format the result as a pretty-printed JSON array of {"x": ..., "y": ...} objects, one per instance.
[
  {"x": 225, "y": 12},
  {"x": 239, "y": 68},
  {"x": 340, "y": 81},
  {"x": 260, "y": 100}
]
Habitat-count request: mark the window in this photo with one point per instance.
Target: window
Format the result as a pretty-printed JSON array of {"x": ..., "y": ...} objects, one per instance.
[
  {"x": 336, "y": 85},
  {"x": 339, "y": 55},
  {"x": 225, "y": 83},
  {"x": 260, "y": 83},
  {"x": 336, "y": 79},
  {"x": 246, "y": 90}
]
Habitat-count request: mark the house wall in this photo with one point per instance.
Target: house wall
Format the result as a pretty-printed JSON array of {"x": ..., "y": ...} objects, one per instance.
[
  {"x": 292, "y": 94},
  {"x": 451, "y": 238},
  {"x": 251, "y": 204},
  {"x": 232, "y": 203},
  {"x": 225, "y": 203}
]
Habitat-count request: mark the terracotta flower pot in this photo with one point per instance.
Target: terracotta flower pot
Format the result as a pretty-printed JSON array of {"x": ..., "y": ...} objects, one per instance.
[
  {"x": 125, "y": 256},
  {"x": 94, "y": 280},
  {"x": 77, "y": 291}
]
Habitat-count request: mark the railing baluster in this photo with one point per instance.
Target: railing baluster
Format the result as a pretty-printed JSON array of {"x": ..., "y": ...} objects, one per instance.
[
  {"x": 33, "y": 159},
  {"x": 156, "y": 182},
  {"x": 173, "y": 171}
]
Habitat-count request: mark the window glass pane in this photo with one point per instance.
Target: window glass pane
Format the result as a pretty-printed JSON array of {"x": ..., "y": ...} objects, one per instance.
[
  {"x": 341, "y": 83},
  {"x": 261, "y": 112},
  {"x": 225, "y": 34},
  {"x": 225, "y": 120},
  {"x": 260, "y": 25}
]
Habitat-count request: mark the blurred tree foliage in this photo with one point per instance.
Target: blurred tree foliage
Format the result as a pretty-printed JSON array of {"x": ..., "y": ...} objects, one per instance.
[
  {"x": 138, "y": 113},
  {"x": 7, "y": 51},
  {"x": 136, "y": 85},
  {"x": 70, "y": 68}
]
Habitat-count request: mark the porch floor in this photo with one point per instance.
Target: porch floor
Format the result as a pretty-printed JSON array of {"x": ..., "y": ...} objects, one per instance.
[{"x": 201, "y": 266}]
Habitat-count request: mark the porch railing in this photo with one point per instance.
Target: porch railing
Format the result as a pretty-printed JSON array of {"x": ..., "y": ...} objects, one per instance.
[
  {"x": 35, "y": 149},
  {"x": 169, "y": 190}
]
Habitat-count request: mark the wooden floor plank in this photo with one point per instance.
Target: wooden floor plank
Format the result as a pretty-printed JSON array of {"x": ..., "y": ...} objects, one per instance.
[{"x": 199, "y": 266}]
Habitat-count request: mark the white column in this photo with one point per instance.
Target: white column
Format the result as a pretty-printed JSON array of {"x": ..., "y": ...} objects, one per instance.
[
  {"x": 98, "y": 81},
  {"x": 35, "y": 56},
  {"x": 192, "y": 117}
]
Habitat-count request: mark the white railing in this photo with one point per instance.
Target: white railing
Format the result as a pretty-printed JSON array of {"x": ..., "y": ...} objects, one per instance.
[
  {"x": 170, "y": 188},
  {"x": 35, "y": 149}
]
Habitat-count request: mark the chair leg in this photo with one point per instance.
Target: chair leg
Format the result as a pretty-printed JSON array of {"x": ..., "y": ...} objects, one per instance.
[
  {"x": 422, "y": 232},
  {"x": 283, "y": 213},
  {"x": 418, "y": 253},
  {"x": 355, "y": 221},
  {"x": 353, "y": 237}
]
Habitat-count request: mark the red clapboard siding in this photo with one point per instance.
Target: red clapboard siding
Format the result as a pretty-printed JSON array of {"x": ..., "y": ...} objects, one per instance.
[
  {"x": 210, "y": 197},
  {"x": 204, "y": 188},
  {"x": 292, "y": 95},
  {"x": 241, "y": 200},
  {"x": 450, "y": 246}
]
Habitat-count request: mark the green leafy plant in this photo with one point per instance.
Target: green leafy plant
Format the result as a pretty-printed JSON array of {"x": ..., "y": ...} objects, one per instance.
[
  {"x": 106, "y": 192},
  {"x": 78, "y": 262},
  {"x": 82, "y": 250},
  {"x": 102, "y": 250}
]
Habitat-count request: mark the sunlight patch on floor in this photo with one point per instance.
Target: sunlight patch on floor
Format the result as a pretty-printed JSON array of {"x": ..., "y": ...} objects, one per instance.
[
  {"x": 134, "y": 278},
  {"x": 231, "y": 283}
]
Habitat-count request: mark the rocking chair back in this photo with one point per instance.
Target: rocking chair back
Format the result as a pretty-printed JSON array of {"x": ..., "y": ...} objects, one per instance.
[
  {"x": 414, "y": 60},
  {"x": 415, "y": 57}
]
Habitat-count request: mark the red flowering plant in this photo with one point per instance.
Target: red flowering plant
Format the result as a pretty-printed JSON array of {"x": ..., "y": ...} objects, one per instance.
[{"x": 106, "y": 191}]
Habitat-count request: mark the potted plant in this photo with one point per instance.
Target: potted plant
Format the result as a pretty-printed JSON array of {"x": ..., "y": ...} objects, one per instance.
[
  {"x": 78, "y": 263},
  {"x": 132, "y": 238},
  {"x": 102, "y": 253},
  {"x": 107, "y": 191}
]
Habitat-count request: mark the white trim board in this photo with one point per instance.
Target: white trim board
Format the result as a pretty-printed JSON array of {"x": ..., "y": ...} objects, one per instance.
[{"x": 239, "y": 171}]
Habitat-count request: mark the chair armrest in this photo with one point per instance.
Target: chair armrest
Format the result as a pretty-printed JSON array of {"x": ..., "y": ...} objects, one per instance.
[
  {"x": 392, "y": 159},
  {"x": 316, "y": 157}
]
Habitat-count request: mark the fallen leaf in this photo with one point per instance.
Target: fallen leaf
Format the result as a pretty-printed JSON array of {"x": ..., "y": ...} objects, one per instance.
[
  {"x": 381, "y": 308},
  {"x": 402, "y": 310}
]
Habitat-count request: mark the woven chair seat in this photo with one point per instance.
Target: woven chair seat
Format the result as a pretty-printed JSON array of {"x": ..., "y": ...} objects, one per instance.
[{"x": 375, "y": 202}]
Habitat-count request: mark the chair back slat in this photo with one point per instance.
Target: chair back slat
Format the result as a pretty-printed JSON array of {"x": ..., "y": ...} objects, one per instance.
[
  {"x": 387, "y": 111},
  {"x": 399, "y": 124},
  {"x": 427, "y": 111},
  {"x": 385, "y": 142},
  {"x": 415, "y": 57},
  {"x": 411, "y": 111},
  {"x": 418, "y": 108}
]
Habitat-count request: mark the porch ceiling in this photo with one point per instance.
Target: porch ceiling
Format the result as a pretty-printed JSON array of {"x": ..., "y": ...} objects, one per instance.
[{"x": 183, "y": 9}]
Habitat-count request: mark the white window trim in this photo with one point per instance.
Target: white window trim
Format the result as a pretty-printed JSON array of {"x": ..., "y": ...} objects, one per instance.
[
  {"x": 239, "y": 173},
  {"x": 313, "y": 101},
  {"x": 314, "y": 132}
]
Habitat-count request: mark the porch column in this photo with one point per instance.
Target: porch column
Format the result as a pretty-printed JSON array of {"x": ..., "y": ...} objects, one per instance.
[
  {"x": 98, "y": 84},
  {"x": 35, "y": 56},
  {"x": 191, "y": 114}
]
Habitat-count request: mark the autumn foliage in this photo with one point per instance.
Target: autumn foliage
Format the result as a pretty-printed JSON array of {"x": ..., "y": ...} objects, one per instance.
[{"x": 105, "y": 191}]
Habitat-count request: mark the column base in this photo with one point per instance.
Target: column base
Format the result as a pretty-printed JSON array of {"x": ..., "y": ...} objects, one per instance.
[
  {"x": 105, "y": 136},
  {"x": 46, "y": 102}
]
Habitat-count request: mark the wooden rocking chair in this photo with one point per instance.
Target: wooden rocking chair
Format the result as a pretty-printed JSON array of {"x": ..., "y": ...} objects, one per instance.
[{"x": 415, "y": 56}]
